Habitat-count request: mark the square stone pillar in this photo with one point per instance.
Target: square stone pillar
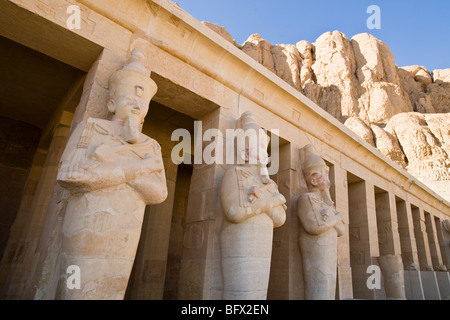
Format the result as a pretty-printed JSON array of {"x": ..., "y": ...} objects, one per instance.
[
  {"x": 285, "y": 281},
  {"x": 406, "y": 232},
  {"x": 338, "y": 179},
  {"x": 200, "y": 274},
  {"x": 420, "y": 234},
  {"x": 444, "y": 241},
  {"x": 363, "y": 237},
  {"x": 11, "y": 256},
  {"x": 386, "y": 212},
  {"x": 435, "y": 250},
  {"x": 32, "y": 232},
  {"x": 147, "y": 281}
]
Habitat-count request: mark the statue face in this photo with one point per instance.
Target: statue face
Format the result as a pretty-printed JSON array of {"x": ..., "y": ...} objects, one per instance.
[
  {"x": 129, "y": 102},
  {"x": 318, "y": 179},
  {"x": 259, "y": 155}
]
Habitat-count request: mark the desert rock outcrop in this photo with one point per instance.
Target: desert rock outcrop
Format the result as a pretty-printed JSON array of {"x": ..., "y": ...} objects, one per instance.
[{"x": 403, "y": 112}]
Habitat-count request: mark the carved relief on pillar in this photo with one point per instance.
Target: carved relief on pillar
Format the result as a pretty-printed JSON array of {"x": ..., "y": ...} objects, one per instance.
[
  {"x": 253, "y": 207},
  {"x": 112, "y": 172},
  {"x": 320, "y": 226}
]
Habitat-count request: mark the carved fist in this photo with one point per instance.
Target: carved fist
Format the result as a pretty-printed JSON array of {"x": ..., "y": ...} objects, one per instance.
[
  {"x": 255, "y": 192},
  {"x": 278, "y": 200},
  {"x": 278, "y": 216},
  {"x": 103, "y": 153}
]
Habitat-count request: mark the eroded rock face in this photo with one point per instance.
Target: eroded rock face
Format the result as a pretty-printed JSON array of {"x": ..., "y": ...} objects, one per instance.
[
  {"x": 415, "y": 80},
  {"x": 424, "y": 139},
  {"x": 439, "y": 90},
  {"x": 400, "y": 111},
  {"x": 388, "y": 145},
  {"x": 381, "y": 93},
  {"x": 221, "y": 31},
  {"x": 286, "y": 58},
  {"x": 259, "y": 49},
  {"x": 359, "y": 127}
]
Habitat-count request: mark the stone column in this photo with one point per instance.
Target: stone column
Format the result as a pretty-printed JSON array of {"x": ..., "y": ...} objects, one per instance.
[
  {"x": 11, "y": 256},
  {"x": 443, "y": 237},
  {"x": 151, "y": 258},
  {"x": 393, "y": 275},
  {"x": 423, "y": 248},
  {"x": 363, "y": 237},
  {"x": 283, "y": 270},
  {"x": 25, "y": 252},
  {"x": 427, "y": 275},
  {"x": 442, "y": 276},
  {"x": 389, "y": 243},
  {"x": 338, "y": 179},
  {"x": 406, "y": 232},
  {"x": 435, "y": 250},
  {"x": 200, "y": 273},
  {"x": 413, "y": 282},
  {"x": 443, "y": 232},
  {"x": 388, "y": 237}
]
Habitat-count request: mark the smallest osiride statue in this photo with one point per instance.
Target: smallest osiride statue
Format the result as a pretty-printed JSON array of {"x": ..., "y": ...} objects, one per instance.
[{"x": 320, "y": 226}]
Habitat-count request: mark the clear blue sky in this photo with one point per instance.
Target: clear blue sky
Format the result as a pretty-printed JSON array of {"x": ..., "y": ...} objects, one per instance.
[{"x": 417, "y": 32}]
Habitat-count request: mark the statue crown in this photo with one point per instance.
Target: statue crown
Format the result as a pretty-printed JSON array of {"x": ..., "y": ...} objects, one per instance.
[{"x": 311, "y": 160}]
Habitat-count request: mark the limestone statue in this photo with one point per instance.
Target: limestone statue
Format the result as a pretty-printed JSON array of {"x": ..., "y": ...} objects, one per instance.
[
  {"x": 112, "y": 172},
  {"x": 393, "y": 274},
  {"x": 320, "y": 226},
  {"x": 253, "y": 207}
]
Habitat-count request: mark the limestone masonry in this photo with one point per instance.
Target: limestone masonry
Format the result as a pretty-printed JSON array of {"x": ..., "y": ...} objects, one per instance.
[{"x": 115, "y": 120}]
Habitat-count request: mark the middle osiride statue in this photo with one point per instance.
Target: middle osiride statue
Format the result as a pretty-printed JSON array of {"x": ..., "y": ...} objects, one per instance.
[
  {"x": 253, "y": 207},
  {"x": 320, "y": 226}
]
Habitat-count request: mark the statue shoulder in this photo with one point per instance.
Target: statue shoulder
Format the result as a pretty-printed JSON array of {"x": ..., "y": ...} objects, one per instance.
[
  {"x": 90, "y": 124},
  {"x": 230, "y": 173},
  {"x": 148, "y": 143},
  {"x": 312, "y": 196},
  {"x": 309, "y": 199}
]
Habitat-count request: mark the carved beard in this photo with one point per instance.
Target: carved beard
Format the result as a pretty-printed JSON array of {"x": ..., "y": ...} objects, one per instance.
[
  {"x": 132, "y": 128},
  {"x": 327, "y": 197},
  {"x": 264, "y": 173}
]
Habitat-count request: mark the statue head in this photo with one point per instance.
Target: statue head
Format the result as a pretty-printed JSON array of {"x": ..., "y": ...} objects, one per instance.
[
  {"x": 252, "y": 143},
  {"x": 316, "y": 173},
  {"x": 130, "y": 92}
]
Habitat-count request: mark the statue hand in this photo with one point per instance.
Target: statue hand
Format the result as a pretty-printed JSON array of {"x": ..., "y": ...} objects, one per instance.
[
  {"x": 278, "y": 216},
  {"x": 278, "y": 200},
  {"x": 75, "y": 170},
  {"x": 256, "y": 192},
  {"x": 103, "y": 153},
  {"x": 340, "y": 228}
]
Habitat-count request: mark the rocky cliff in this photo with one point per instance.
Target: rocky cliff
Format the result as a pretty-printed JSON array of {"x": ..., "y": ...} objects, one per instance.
[{"x": 403, "y": 112}]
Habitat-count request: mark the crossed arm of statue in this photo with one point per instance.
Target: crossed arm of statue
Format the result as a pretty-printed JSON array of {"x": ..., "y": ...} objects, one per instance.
[
  {"x": 256, "y": 200},
  {"x": 317, "y": 221},
  {"x": 88, "y": 168}
]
